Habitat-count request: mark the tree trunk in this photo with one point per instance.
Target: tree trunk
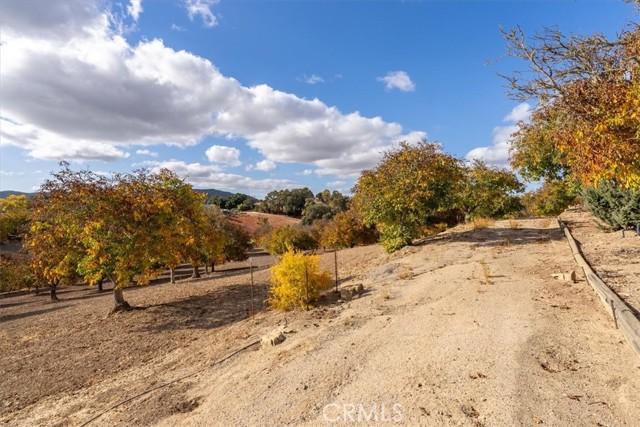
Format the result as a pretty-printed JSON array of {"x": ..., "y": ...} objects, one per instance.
[
  {"x": 196, "y": 272},
  {"x": 213, "y": 266},
  {"x": 54, "y": 297},
  {"x": 206, "y": 268},
  {"x": 100, "y": 285},
  {"x": 118, "y": 296},
  {"x": 172, "y": 275}
]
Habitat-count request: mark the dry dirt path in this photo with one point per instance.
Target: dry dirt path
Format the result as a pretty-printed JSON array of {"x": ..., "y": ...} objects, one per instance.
[
  {"x": 465, "y": 329},
  {"x": 480, "y": 335}
]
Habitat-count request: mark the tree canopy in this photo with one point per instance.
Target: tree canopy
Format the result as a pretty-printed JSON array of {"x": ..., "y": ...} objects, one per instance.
[
  {"x": 125, "y": 228},
  {"x": 286, "y": 202},
  {"x": 408, "y": 186},
  {"x": 587, "y": 122}
]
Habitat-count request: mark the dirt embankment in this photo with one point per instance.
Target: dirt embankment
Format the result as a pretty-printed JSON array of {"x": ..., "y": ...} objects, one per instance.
[{"x": 466, "y": 328}]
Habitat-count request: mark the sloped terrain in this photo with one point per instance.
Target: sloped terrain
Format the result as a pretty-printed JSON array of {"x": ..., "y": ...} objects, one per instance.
[{"x": 465, "y": 328}]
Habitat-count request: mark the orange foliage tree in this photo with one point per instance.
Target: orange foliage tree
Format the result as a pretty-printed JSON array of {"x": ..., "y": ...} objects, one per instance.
[{"x": 587, "y": 123}]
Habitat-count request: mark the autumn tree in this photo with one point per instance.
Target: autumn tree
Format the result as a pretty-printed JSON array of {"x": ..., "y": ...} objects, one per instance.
[
  {"x": 586, "y": 126},
  {"x": 489, "y": 192},
  {"x": 347, "y": 230},
  {"x": 281, "y": 239},
  {"x": 410, "y": 184},
  {"x": 14, "y": 217},
  {"x": 552, "y": 198},
  {"x": 60, "y": 214},
  {"x": 189, "y": 232},
  {"x": 238, "y": 242},
  {"x": 124, "y": 228},
  {"x": 15, "y": 272}
]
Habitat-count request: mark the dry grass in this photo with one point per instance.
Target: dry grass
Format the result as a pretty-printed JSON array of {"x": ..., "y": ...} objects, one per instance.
[
  {"x": 406, "y": 273},
  {"x": 481, "y": 223}
]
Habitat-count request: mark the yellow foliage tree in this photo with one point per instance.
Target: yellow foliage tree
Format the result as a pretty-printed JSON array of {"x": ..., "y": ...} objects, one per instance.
[
  {"x": 14, "y": 216},
  {"x": 297, "y": 281},
  {"x": 587, "y": 122}
]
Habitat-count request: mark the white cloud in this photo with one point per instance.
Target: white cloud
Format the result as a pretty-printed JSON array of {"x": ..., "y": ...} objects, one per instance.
[
  {"x": 398, "y": 80},
  {"x": 312, "y": 79},
  {"x": 42, "y": 144},
  {"x": 135, "y": 9},
  {"x": 306, "y": 172},
  {"x": 100, "y": 95},
  {"x": 210, "y": 176},
  {"x": 176, "y": 27},
  {"x": 221, "y": 154},
  {"x": 202, "y": 8},
  {"x": 147, "y": 153},
  {"x": 521, "y": 112},
  {"x": 498, "y": 152},
  {"x": 100, "y": 90},
  {"x": 266, "y": 165},
  {"x": 49, "y": 20}
]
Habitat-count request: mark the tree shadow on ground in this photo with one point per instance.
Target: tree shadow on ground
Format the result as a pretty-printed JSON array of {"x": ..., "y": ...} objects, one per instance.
[
  {"x": 492, "y": 237},
  {"x": 10, "y": 317},
  {"x": 219, "y": 307}
]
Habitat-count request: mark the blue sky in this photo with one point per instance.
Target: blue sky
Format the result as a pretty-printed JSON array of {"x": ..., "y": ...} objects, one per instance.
[{"x": 252, "y": 96}]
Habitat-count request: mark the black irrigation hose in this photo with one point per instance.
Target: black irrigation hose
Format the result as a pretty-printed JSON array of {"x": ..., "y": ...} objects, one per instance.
[{"x": 170, "y": 382}]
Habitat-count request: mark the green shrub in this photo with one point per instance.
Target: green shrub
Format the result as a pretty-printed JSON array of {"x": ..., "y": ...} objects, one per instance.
[{"x": 617, "y": 207}]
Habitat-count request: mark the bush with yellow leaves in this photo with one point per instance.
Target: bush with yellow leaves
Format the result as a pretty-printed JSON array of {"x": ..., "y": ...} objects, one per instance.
[{"x": 297, "y": 281}]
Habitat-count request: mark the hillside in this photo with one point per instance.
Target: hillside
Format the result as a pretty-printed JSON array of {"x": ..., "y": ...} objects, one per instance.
[
  {"x": 213, "y": 192},
  {"x": 249, "y": 220},
  {"x": 466, "y": 328},
  {"x": 7, "y": 193}
]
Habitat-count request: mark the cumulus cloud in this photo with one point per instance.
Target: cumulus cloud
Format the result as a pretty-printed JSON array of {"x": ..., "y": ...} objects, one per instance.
[
  {"x": 100, "y": 94},
  {"x": 202, "y": 8},
  {"x": 210, "y": 176},
  {"x": 498, "y": 152},
  {"x": 226, "y": 155},
  {"x": 398, "y": 80},
  {"x": 58, "y": 20},
  {"x": 45, "y": 145},
  {"x": 135, "y": 9},
  {"x": 521, "y": 112}
]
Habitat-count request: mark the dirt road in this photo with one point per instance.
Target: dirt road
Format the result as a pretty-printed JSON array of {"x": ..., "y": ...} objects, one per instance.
[{"x": 467, "y": 328}]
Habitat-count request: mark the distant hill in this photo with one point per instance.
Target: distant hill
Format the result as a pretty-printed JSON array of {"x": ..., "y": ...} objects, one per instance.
[
  {"x": 213, "y": 192},
  {"x": 7, "y": 193}
]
